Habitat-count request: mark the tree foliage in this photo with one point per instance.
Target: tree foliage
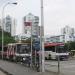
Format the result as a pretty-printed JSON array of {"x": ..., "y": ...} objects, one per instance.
[
  {"x": 70, "y": 45},
  {"x": 7, "y": 38}
]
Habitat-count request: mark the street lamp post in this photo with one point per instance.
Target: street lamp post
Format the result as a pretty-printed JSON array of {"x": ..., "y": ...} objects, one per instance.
[
  {"x": 3, "y": 25},
  {"x": 31, "y": 48},
  {"x": 42, "y": 39}
]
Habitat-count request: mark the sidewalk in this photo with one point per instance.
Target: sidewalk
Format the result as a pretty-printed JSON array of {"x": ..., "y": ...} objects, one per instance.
[
  {"x": 1, "y": 73},
  {"x": 18, "y": 69}
]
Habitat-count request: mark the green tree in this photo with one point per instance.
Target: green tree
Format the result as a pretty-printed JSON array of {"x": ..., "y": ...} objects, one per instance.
[
  {"x": 7, "y": 38},
  {"x": 70, "y": 45}
]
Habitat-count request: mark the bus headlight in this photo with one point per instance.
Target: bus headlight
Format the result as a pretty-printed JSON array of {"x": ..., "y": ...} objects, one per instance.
[{"x": 24, "y": 59}]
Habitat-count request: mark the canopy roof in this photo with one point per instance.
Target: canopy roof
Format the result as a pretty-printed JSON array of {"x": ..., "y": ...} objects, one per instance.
[{"x": 53, "y": 44}]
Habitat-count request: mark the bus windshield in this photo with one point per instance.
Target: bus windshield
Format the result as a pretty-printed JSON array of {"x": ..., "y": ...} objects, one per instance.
[
  {"x": 50, "y": 49},
  {"x": 57, "y": 49},
  {"x": 23, "y": 48},
  {"x": 60, "y": 49}
]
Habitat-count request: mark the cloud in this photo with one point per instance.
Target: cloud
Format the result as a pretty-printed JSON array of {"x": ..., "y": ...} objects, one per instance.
[{"x": 58, "y": 13}]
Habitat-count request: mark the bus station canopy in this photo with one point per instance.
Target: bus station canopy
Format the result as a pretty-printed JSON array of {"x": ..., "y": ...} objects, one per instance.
[{"x": 53, "y": 44}]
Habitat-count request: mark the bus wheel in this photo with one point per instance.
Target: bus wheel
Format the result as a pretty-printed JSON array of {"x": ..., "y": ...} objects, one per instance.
[{"x": 49, "y": 56}]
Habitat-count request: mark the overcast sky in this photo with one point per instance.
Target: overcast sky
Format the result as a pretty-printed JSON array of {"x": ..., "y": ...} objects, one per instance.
[{"x": 57, "y": 13}]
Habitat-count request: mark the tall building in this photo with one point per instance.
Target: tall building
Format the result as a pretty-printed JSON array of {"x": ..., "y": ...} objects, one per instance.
[
  {"x": 13, "y": 27},
  {"x": 69, "y": 33},
  {"x": 31, "y": 22},
  {"x": 9, "y": 25}
]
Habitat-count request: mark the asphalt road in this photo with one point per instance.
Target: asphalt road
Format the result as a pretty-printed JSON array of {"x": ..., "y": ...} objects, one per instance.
[{"x": 66, "y": 67}]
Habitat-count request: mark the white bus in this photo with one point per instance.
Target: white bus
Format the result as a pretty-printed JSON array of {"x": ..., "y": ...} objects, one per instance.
[
  {"x": 17, "y": 51},
  {"x": 53, "y": 50}
]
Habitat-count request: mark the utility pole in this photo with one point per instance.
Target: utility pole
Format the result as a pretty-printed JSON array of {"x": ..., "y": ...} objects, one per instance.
[{"x": 42, "y": 38}]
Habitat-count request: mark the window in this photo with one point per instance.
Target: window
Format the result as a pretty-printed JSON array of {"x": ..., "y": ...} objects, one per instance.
[{"x": 50, "y": 48}]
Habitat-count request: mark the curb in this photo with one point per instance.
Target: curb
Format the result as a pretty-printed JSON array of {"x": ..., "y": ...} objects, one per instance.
[
  {"x": 55, "y": 73},
  {"x": 7, "y": 73}
]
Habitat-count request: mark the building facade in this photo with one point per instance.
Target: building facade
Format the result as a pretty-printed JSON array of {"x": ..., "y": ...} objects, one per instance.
[
  {"x": 31, "y": 24},
  {"x": 21, "y": 37},
  {"x": 13, "y": 27},
  {"x": 9, "y": 25},
  {"x": 54, "y": 39},
  {"x": 67, "y": 34}
]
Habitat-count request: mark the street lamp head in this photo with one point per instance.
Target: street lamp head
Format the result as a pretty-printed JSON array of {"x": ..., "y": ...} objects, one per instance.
[{"x": 15, "y": 3}]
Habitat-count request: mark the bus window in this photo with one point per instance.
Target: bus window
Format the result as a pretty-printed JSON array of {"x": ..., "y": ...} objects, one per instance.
[
  {"x": 60, "y": 49},
  {"x": 18, "y": 48},
  {"x": 21, "y": 48},
  {"x": 50, "y": 49}
]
